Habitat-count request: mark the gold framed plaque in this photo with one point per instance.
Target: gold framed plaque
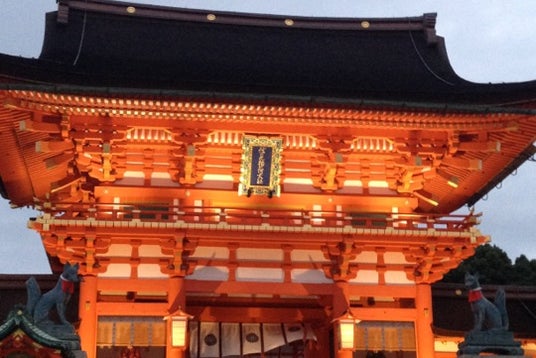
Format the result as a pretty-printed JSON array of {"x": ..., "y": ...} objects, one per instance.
[{"x": 261, "y": 166}]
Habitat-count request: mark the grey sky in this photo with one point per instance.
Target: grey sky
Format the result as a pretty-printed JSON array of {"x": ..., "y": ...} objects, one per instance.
[{"x": 491, "y": 41}]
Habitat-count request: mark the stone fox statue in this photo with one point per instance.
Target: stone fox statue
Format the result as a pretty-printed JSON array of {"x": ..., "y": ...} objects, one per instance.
[
  {"x": 39, "y": 306},
  {"x": 487, "y": 315}
]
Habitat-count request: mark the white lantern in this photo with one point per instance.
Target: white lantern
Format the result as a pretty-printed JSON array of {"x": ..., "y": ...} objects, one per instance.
[
  {"x": 179, "y": 328},
  {"x": 346, "y": 327}
]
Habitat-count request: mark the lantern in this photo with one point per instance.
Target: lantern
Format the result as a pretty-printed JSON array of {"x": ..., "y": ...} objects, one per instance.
[
  {"x": 179, "y": 328},
  {"x": 346, "y": 329}
]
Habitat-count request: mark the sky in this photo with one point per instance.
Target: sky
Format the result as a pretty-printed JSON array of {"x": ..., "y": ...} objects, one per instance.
[{"x": 487, "y": 41}]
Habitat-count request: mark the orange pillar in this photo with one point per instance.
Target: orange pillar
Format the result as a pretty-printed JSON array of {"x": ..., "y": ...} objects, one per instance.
[
  {"x": 176, "y": 300},
  {"x": 320, "y": 348},
  {"x": 87, "y": 310},
  {"x": 341, "y": 304},
  {"x": 424, "y": 319}
]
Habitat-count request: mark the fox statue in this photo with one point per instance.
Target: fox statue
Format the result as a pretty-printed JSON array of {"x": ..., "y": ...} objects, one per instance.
[
  {"x": 39, "y": 306},
  {"x": 487, "y": 315}
]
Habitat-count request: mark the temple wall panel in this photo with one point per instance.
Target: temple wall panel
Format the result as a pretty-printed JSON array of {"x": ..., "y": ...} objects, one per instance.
[
  {"x": 210, "y": 273},
  {"x": 397, "y": 278},
  {"x": 210, "y": 252},
  {"x": 366, "y": 276},
  {"x": 391, "y": 257},
  {"x": 370, "y": 257},
  {"x": 150, "y": 271},
  {"x": 312, "y": 256},
  {"x": 150, "y": 251},
  {"x": 259, "y": 274},
  {"x": 259, "y": 254},
  {"x": 117, "y": 270},
  {"x": 118, "y": 250},
  {"x": 309, "y": 276}
]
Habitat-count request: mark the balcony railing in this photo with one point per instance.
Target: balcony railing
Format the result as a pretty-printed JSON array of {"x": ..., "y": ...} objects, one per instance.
[{"x": 261, "y": 217}]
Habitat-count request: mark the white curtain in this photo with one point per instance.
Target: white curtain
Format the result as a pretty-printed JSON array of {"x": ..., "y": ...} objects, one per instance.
[{"x": 213, "y": 339}]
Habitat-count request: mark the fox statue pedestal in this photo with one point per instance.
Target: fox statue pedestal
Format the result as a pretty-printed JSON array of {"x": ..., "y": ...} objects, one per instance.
[{"x": 496, "y": 341}]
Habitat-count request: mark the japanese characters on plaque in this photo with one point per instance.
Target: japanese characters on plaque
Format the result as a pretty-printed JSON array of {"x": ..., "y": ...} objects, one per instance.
[{"x": 261, "y": 166}]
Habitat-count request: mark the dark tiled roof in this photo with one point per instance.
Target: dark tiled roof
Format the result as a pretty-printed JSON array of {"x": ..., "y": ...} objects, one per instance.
[{"x": 102, "y": 45}]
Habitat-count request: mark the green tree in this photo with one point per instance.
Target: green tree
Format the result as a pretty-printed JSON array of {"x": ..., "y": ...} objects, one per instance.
[
  {"x": 492, "y": 263},
  {"x": 524, "y": 271}
]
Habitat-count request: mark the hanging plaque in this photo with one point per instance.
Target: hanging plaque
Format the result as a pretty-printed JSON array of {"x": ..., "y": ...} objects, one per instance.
[{"x": 261, "y": 166}]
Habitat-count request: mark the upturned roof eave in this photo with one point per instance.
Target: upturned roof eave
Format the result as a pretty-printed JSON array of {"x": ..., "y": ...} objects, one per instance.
[{"x": 18, "y": 319}]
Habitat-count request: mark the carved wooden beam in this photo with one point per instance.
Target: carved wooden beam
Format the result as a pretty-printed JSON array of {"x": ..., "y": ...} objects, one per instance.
[{"x": 341, "y": 255}]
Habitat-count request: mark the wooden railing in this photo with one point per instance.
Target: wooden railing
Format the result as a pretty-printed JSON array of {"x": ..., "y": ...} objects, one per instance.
[{"x": 271, "y": 217}]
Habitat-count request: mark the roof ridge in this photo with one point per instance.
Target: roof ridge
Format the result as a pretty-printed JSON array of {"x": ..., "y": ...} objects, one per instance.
[{"x": 416, "y": 23}]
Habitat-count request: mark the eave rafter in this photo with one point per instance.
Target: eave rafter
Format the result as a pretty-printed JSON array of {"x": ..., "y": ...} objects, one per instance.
[
  {"x": 422, "y": 153},
  {"x": 229, "y": 113},
  {"x": 434, "y": 259}
]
